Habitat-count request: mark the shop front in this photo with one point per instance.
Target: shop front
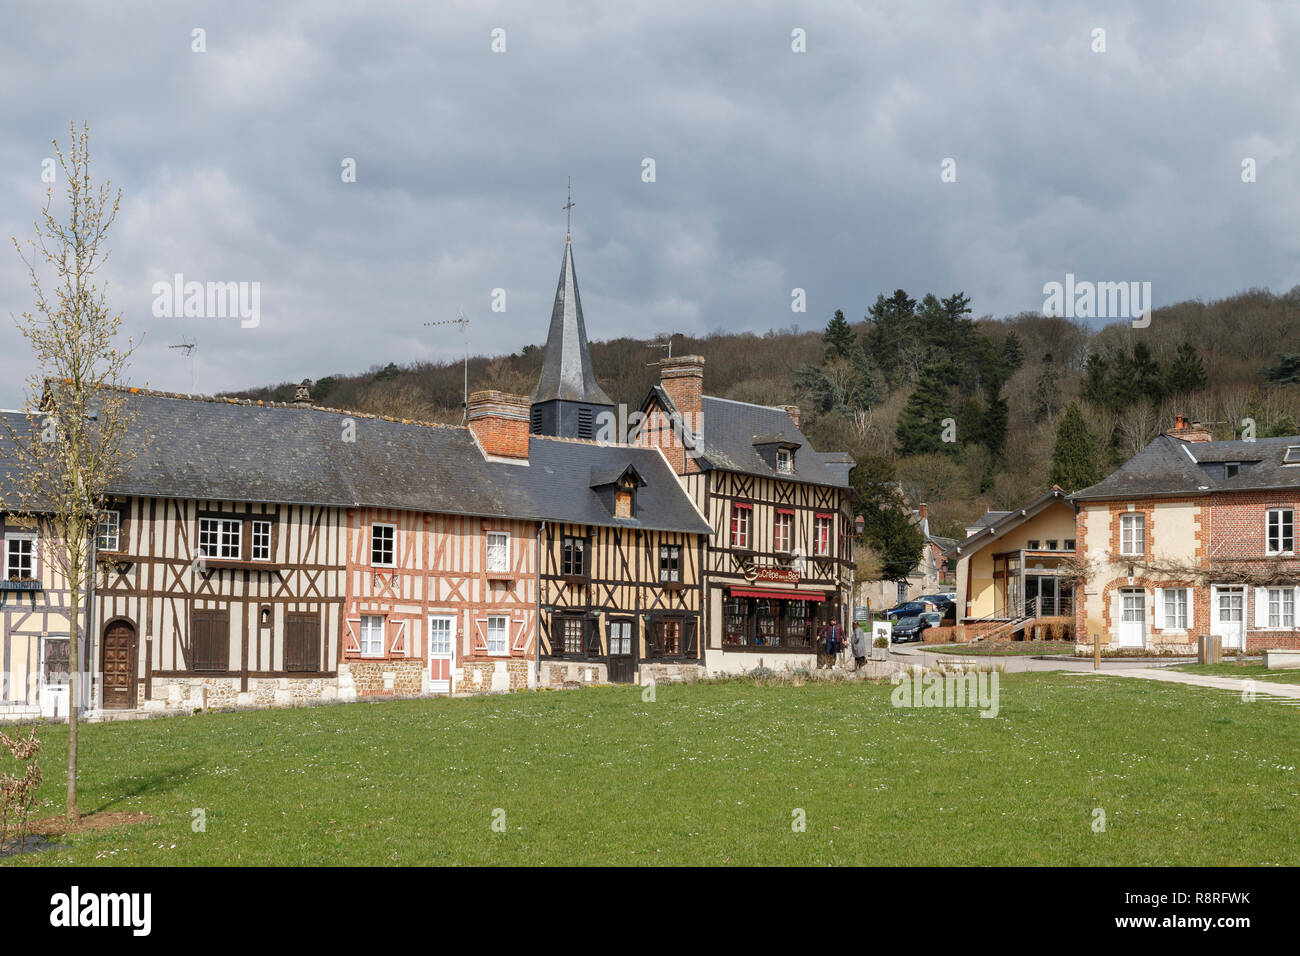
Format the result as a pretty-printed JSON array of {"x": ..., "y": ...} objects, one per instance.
[{"x": 775, "y": 620}]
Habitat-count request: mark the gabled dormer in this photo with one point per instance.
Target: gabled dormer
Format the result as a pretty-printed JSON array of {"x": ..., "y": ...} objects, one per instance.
[
  {"x": 779, "y": 452},
  {"x": 617, "y": 489}
]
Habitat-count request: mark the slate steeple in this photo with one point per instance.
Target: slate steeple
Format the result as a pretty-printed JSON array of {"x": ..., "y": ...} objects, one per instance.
[{"x": 568, "y": 402}]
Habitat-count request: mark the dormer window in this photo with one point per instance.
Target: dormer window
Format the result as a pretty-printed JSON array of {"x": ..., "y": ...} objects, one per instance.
[
  {"x": 1292, "y": 456},
  {"x": 785, "y": 461},
  {"x": 623, "y": 503},
  {"x": 1231, "y": 468}
]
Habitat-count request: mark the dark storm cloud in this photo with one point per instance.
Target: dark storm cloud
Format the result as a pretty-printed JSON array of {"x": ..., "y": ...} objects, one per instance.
[{"x": 774, "y": 169}]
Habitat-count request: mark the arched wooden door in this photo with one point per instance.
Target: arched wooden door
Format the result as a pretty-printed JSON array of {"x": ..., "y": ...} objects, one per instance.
[{"x": 119, "y": 665}]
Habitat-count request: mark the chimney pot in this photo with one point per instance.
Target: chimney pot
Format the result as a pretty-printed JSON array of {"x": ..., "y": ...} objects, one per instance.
[
  {"x": 302, "y": 394},
  {"x": 499, "y": 422}
]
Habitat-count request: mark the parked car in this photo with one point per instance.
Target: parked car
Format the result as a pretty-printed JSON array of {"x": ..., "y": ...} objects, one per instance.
[
  {"x": 910, "y": 628},
  {"x": 910, "y": 609},
  {"x": 945, "y": 604}
]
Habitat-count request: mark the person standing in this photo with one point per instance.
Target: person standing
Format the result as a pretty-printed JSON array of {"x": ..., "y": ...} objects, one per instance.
[{"x": 861, "y": 643}]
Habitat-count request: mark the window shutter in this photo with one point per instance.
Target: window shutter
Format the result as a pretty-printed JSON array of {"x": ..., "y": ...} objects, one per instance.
[
  {"x": 690, "y": 638},
  {"x": 1261, "y": 607},
  {"x": 591, "y": 641},
  {"x": 1191, "y": 602},
  {"x": 1159, "y": 617}
]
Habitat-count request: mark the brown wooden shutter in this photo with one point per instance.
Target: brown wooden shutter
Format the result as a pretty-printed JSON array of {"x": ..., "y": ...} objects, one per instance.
[
  {"x": 210, "y": 640},
  {"x": 302, "y": 642},
  {"x": 591, "y": 637},
  {"x": 690, "y": 638}
]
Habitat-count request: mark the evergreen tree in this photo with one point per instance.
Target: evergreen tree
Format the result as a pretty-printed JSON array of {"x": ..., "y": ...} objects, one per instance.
[
  {"x": 920, "y": 427},
  {"x": 1286, "y": 371},
  {"x": 1013, "y": 353},
  {"x": 996, "y": 414},
  {"x": 1075, "y": 458},
  {"x": 1149, "y": 381},
  {"x": 1283, "y": 427},
  {"x": 1186, "y": 372},
  {"x": 887, "y": 523},
  {"x": 970, "y": 422},
  {"x": 838, "y": 336},
  {"x": 1096, "y": 380}
]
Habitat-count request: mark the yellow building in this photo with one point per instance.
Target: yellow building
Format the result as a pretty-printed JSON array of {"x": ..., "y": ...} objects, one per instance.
[{"x": 1020, "y": 564}]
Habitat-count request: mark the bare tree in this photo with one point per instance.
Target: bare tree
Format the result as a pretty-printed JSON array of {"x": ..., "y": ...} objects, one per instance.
[{"x": 73, "y": 449}]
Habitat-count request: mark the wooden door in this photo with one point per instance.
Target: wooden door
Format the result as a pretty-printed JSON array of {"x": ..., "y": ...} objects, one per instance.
[
  {"x": 119, "y": 665},
  {"x": 302, "y": 642},
  {"x": 442, "y": 652},
  {"x": 621, "y": 660}
]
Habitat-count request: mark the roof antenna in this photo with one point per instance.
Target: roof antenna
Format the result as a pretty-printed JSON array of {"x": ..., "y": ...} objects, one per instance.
[
  {"x": 463, "y": 324},
  {"x": 568, "y": 212},
  {"x": 189, "y": 345},
  {"x": 667, "y": 343}
]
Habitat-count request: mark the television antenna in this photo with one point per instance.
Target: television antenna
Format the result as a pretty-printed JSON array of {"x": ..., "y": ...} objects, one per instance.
[
  {"x": 188, "y": 344},
  {"x": 667, "y": 344},
  {"x": 462, "y": 324}
]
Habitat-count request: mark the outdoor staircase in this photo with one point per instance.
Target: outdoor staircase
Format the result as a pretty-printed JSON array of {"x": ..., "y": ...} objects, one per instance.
[{"x": 1011, "y": 620}]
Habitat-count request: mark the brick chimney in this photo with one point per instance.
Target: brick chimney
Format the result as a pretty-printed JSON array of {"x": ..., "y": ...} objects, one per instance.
[
  {"x": 499, "y": 421},
  {"x": 1189, "y": 431},
  {"x": 302, "y": 394},
  {"x": 682, "y": 377},
  {"x": 792, "y": 411},
  {"x": 924, "y": 511}
]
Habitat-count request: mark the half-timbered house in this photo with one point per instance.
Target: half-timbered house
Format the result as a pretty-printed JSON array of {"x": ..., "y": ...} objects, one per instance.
[
  {"x": 621, "y": 543},
  {"x": 34, "y": 600},
  {"x": 780, "y": 560}
]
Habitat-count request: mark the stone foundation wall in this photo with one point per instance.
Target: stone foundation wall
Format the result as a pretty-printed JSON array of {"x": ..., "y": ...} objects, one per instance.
[
  {"x": 187, "y": 694},
  {"x": 573, "y": 673},
  {"x": 495, "y": 676},
  {"x": 672, "y": 673},
  {"x": 395, "y": 678}
]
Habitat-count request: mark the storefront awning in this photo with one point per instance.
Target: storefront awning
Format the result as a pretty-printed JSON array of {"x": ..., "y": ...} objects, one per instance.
[{"x": 782, "y": 594}]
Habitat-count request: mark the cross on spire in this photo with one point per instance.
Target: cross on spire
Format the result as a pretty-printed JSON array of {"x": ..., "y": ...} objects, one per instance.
[{"x": 568, "y": 215}]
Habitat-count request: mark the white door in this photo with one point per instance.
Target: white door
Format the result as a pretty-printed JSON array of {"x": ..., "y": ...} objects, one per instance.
[
  {"x": 1133, "y": 618},
  {"x": 53, "y": 693},
  {"x": 1228, "y": 615},
  {"x": 442, "y": 652}
]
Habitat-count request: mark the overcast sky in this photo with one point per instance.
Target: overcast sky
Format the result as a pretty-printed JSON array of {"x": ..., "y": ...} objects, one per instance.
[{"x": 773, "y": 169}]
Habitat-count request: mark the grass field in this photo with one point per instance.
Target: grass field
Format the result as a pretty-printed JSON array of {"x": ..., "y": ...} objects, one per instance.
[
  {"x": 706, "y": 774},
  {"x": 1243, "y": 671},
  {"x": 1008, "y": 649}
]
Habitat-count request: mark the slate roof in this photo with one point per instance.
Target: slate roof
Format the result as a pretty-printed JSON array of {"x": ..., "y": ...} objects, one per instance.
[
  {"x": 227, "y": 450},
  {"x": 558, "y": 479},
  {"x": 566, "y": 368},
  {"x": 1169, "y": 467},
  {"x": 731, "y": 429}
]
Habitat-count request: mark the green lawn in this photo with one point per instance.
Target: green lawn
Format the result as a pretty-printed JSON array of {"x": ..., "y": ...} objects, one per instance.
[
  {"x": 707, "y": 774},
  {"x": 1009, "y": 649},
  {"x": 1244, "y": 671}
]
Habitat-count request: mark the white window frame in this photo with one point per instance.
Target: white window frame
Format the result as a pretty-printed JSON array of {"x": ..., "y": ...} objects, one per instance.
[
  {"x": 366, "y": 635},
  {"x": 374, "y": 528},
  {"x": 14, "y": 537},
  {"x": 784, "y": 461},
  {"x": 224, "y": 531},
  {"x": 101, "y": 533},
  {"x": 259, "y": 527},
  {"x": 1180, "y": 600},
  {"x": 450, "y": 621},
  {"x": 1270, "y": 537},
  {"x": 1281, "y": 608},
  {"x": 1133, "y": 534},
  {"x": 783, "y": 545},
  {"x": 502, "y": 550},
  {"x": 501, "y": 647}
]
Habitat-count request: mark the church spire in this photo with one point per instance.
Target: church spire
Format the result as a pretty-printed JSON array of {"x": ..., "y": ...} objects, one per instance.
[{"x": 567, "y": 375}]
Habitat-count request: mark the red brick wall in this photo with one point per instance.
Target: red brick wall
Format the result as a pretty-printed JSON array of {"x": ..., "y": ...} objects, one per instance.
[{"x": 500, "y": 423}]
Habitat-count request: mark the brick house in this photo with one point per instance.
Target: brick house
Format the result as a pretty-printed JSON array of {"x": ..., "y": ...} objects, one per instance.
[{"x": 1192, "y": 537}]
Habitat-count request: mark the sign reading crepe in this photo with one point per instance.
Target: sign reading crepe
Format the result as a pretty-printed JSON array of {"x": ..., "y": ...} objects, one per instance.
[{"x": 781, "y": 575}]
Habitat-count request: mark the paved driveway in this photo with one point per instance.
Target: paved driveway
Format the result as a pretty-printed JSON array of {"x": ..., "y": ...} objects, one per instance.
[{"x": 1014, "y": 664}]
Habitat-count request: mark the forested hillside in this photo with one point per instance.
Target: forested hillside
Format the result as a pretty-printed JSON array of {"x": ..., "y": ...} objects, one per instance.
[{"x": 963, "y": 413}]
